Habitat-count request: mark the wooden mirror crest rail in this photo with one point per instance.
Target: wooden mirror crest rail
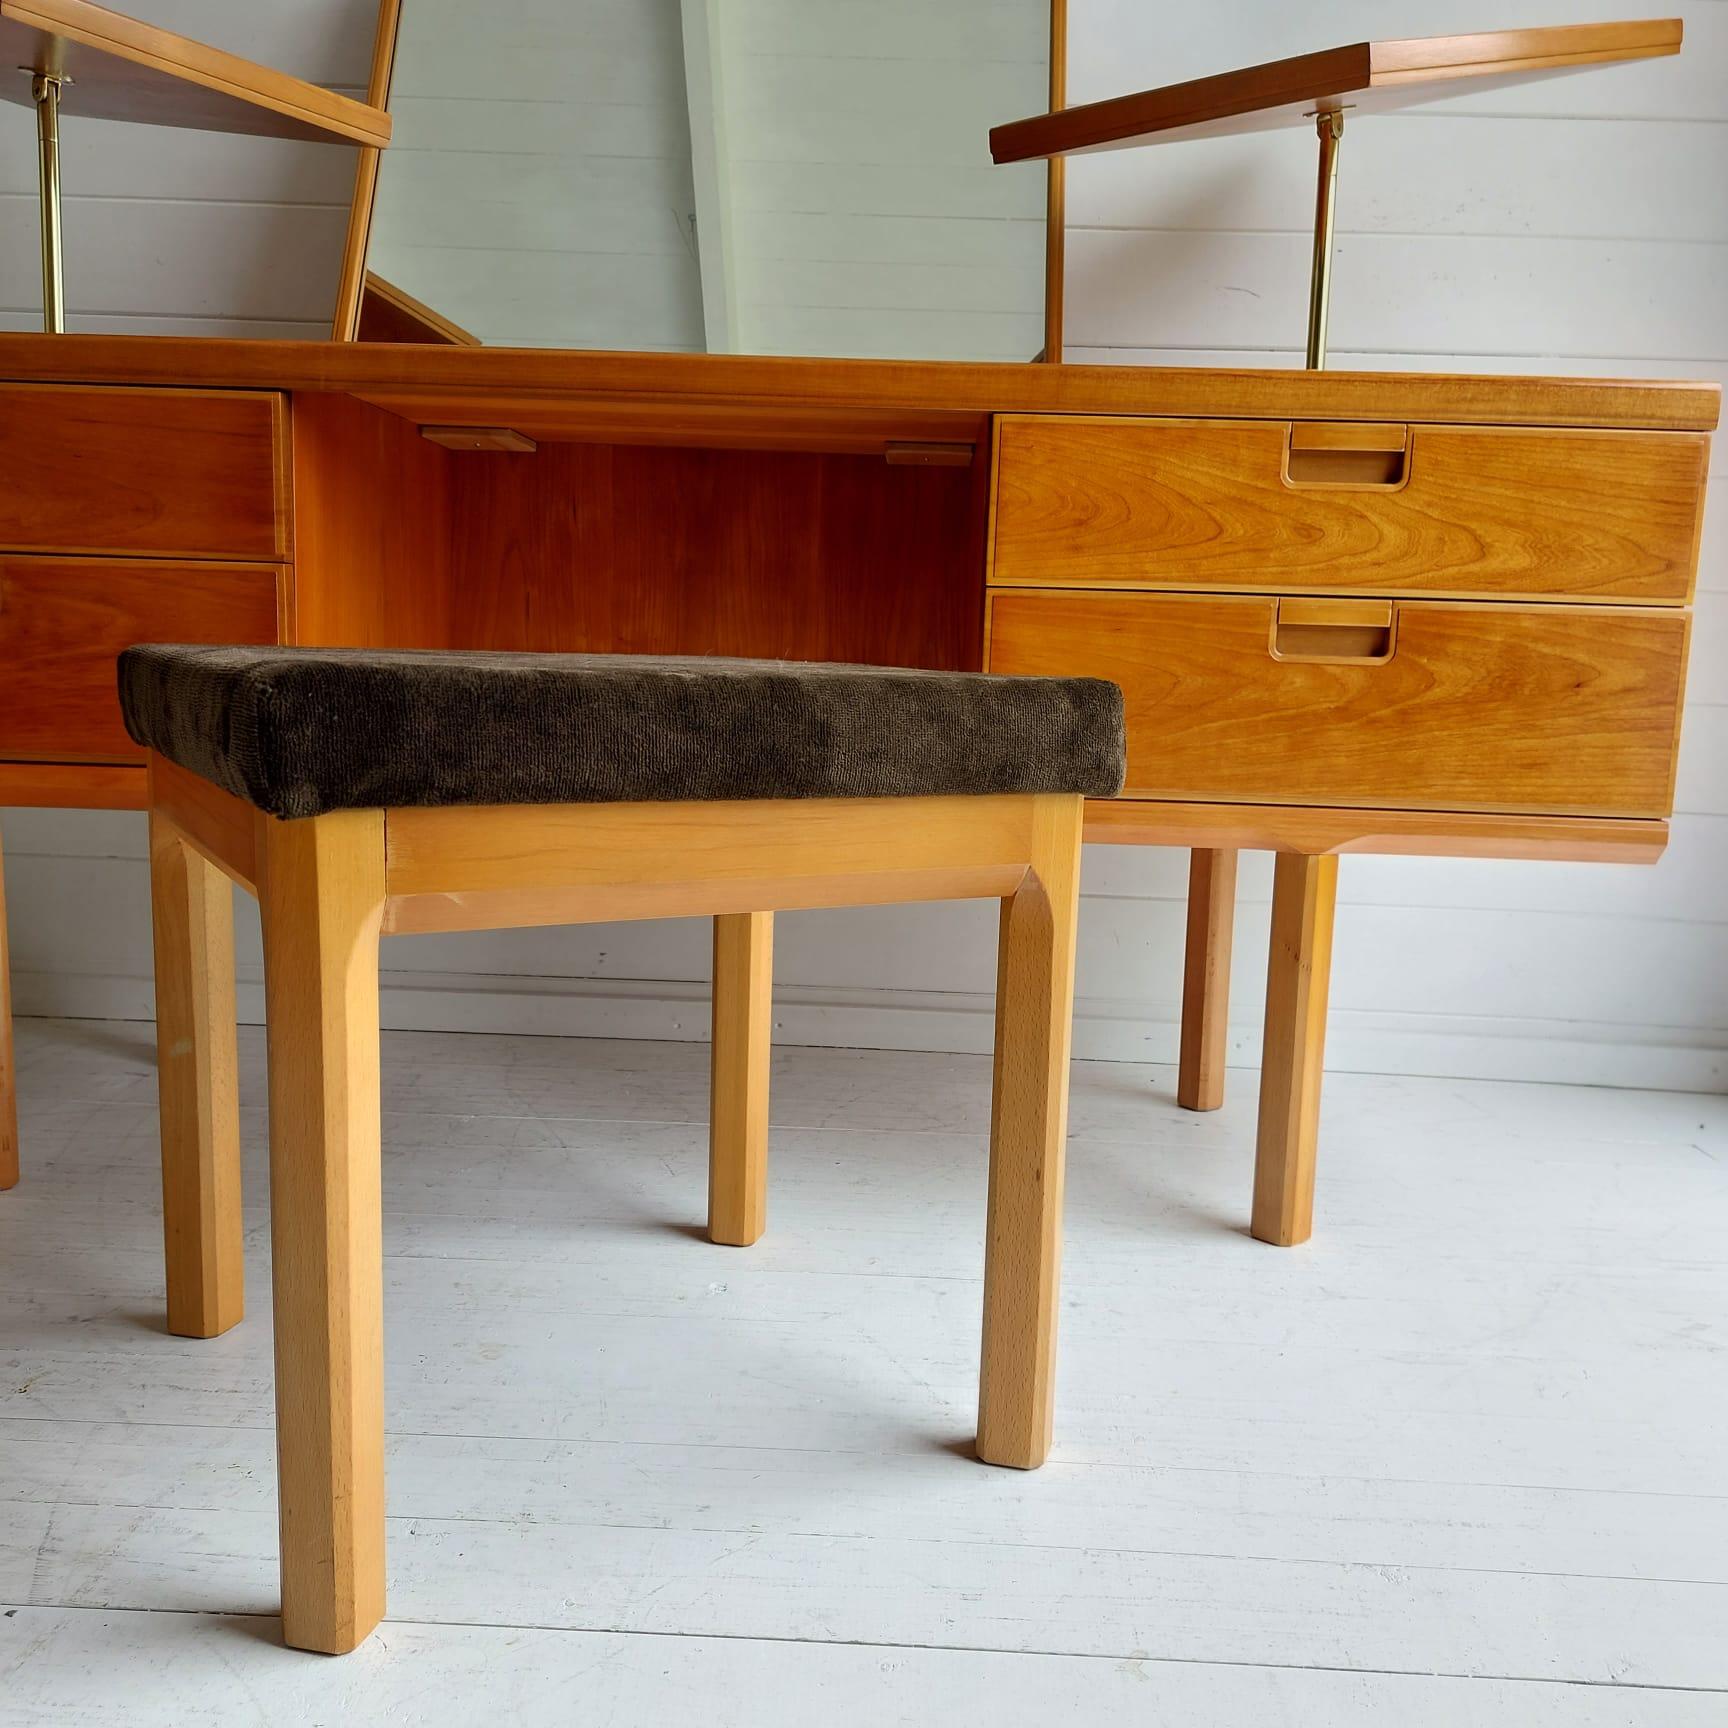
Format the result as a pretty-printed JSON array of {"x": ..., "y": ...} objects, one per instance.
[{"x": 1349, "y": 611}]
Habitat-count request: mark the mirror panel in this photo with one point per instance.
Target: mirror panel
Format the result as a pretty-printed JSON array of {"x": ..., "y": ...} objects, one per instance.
[{"x": 730, "y": 176}]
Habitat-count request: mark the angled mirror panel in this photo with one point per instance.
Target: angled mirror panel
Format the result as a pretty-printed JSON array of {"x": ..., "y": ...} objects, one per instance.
[{"x": 749, "y": 176}]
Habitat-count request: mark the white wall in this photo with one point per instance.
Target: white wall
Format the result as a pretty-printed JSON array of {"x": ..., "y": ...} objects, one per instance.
[
  {"x": 866, "y": 216},
  {"x": 1579, "y": 226}
]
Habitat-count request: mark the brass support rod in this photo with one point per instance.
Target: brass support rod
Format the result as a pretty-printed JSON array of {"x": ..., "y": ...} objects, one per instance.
[
  {"x": 1330, "y": 127},
  {"x": 45, "y": 91}
]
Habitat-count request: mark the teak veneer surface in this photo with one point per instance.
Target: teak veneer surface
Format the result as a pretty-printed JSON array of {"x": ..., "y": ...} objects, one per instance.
[
  {"x": 1502, "y": 512},
  {"x": 1400, "y": 833},
  {"x": 64, "y": 621},
  {"x": 784, "y": 555},
  {"x": 764, "y": 387},
  {"x": 1361, "y": 77},
  {"x": 392, "y": 314},
  {"x": 1563, "y": 709},
  {"x": 74, "y": 785},
  {"x": 173, "y": 473},
  {"x": 119, "y": 68}
]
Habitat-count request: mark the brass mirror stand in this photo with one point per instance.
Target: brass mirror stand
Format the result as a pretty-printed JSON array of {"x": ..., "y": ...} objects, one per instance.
[{"x": 45, "y": 93}]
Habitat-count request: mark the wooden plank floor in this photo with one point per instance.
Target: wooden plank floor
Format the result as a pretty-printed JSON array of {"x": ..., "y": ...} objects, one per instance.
[{"x": 1463, "y": 1459}]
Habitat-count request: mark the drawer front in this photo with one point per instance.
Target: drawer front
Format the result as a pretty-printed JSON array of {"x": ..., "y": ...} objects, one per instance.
[
  {"x": 1262, "y": 505},
  {"x": 63, "y": 621},
  {"x": 170, "y": 473},
  {"x": 1411, "y": 705}
]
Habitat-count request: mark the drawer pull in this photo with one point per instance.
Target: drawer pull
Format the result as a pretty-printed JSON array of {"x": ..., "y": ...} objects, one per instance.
[
  {"x": 1372, "y": 457},
  {"x": 1341, "y": 632}
]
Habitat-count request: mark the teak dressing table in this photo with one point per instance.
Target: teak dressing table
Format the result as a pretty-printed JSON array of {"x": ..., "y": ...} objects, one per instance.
[{"x": 1350, "y": 612}]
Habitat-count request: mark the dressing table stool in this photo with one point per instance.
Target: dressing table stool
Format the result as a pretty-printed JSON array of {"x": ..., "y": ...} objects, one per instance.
[{"x": 361, "y": 793}]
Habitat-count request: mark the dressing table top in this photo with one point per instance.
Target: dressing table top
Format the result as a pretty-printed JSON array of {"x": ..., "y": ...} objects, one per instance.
[{"x": 788, "y": 402}]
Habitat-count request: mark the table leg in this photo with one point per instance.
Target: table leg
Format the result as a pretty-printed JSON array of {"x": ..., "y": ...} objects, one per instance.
[
  {"x": 1304, "y": 891},
  {"x": 1206, "y": 979},
  {"x": 742, "y": 1045},
  {"x": 197, "y": 1062}
]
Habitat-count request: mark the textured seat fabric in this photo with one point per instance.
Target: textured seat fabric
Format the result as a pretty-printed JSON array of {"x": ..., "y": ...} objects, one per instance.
[{"x": 301, "y": 731}]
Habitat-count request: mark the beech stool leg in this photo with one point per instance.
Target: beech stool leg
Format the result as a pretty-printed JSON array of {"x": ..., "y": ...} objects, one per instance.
[
  {"x": 8, "y": 1070},
  {"x": 1304, "y": 891},
  {"x": 1206, "y": 979},
  {"x": 1028, "y": 1131},
  {"x": 321, "y": 893},
  {"x": 742, "y": 1046},
  {"x": 192, "y": 916}
]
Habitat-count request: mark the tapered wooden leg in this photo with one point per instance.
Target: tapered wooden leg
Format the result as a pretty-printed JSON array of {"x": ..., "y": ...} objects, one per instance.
[
  {"x": 192, "y": 912},
  {"x": 1028, "y": 1127},
  {"x": 1303, "y": 894},
  {"x": 743, "y": 1043},
  {"x": 8, "y": 1072},
  {"x": 1206, "y": 979},
  {"x": 321, "y": 892}
]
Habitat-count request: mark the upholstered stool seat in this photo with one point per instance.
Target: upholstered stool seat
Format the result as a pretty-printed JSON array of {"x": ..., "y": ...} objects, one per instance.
[
  {"x": 361, "y": 794},
  {"x": 299, "y": 732}
]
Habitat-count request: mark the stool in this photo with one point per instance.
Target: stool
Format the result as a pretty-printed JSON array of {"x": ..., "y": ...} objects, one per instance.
[{"x": 361, "y": 793}]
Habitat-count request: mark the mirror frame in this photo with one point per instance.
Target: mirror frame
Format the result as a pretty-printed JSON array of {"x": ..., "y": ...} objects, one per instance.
[
  {"x": 357, "y": 286},
  {"x": 351, "y": 284}
]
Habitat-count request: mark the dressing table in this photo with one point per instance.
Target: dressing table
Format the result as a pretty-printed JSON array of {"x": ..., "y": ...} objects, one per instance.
[{"x": 1350, "y": 612}]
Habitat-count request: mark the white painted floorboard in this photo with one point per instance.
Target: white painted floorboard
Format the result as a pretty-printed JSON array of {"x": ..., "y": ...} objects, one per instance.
[{"x": 1462, "y": 1459}]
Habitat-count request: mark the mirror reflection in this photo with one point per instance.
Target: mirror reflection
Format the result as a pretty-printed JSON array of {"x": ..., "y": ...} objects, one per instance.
[{"x": 725, "y": 176}]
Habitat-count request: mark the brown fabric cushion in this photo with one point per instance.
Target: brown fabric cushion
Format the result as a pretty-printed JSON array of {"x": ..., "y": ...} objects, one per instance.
[{"x": 300, "y": 731}]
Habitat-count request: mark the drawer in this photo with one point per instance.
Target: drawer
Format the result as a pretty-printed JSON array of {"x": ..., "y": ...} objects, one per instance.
[
  {"x": 63, "y": 622},
  {"x": 1408, "y": 704},
  {"x": 171, "y": 473},
  {"x": 1261, "y": 505}
]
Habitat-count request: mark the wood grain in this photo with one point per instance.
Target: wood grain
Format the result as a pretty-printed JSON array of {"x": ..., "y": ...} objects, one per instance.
[
  {"x": 8, "y": 1064},
  {"x": 120, "y": 68},
  {"x": 223, "y": 828},
  {"x": 770, "y": 386},
  {"x": 1365, "y": 77},
  {"x": 1028, "y": 1136},
  {"x": 174, "y": 473},
  {"x": 198, "y": 1093},
  {"x": 1298, "y": 977},
  {"x": 372, "y": 524},
  {"x": 321, "y": 893},
  {"x": 353, "y": 277},
  {"x": 743, "y": 1009},
  {"x": 1508, "y": 513},
  {"x": 64, "y": 620},
  {"x": 1206, "y": 978},
  {"x": 73, "y": 786},
  {"x": 493, "y": 440},
  {"x": 491, "y": 867},
  {"x": 392, "y": 314},
  {"x": 1535, "y": 709},
  {"x": 1399, "y": 833},
  {"x": 699, "y": 425},
  {"x": 778, "y": 555}
]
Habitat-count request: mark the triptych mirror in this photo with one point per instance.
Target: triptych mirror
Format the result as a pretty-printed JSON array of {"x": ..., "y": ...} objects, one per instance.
[{"x": 718, "y": 176}]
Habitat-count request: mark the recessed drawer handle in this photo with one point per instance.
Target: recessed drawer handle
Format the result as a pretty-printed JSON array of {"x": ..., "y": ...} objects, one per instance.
[
  {"x": 1361, "y": 458},
  {"x": 1335, "y": 632}
]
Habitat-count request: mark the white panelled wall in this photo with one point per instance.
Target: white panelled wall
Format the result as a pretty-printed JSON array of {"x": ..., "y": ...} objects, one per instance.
[{"x": 1578, "y": 226}]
